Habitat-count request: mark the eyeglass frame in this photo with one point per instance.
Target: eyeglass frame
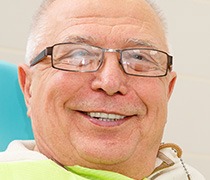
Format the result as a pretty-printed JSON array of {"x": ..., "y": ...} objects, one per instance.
[{"x": 48, "y": 51}]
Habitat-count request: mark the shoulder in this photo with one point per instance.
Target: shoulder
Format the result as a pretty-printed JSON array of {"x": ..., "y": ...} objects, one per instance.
[{"x": 20, "y": 151}]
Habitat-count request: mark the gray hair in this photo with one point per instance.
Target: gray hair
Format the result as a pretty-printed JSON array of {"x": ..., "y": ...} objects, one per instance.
[{"x": 38, "y": 28}]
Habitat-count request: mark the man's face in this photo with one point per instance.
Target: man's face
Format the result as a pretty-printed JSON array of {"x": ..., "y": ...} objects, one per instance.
[{"x": 60, "y": 103}]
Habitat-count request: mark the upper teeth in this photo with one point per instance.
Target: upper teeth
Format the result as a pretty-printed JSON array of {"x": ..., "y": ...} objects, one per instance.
[{"x": 105, "y": 116}]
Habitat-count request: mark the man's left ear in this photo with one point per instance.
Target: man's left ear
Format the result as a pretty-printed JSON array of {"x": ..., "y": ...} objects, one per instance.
[{"x": 172, "y": 80}]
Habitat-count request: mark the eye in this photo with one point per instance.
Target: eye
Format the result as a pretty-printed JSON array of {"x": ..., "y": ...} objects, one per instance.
[
  {"x": 140, "y": 60},
  {"x": 78, "y": 53},
  {"x": 137, "y": 56},
  {"x": 75, "y": 57}
]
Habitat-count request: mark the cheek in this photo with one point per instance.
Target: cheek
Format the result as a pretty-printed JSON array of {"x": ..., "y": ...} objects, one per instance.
[
  {"x": 56, "y": 87},
  {"x": 153, "y": 93},
  {"x": 49, "y": 94},
  {"x": 157, "y": 101}
]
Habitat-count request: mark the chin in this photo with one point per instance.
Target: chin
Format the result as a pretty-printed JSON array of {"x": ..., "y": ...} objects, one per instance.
[{"x": 108, "y": 154}]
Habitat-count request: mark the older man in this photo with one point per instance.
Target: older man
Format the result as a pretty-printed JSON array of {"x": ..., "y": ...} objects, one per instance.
[{"x": 97, "y": 83}]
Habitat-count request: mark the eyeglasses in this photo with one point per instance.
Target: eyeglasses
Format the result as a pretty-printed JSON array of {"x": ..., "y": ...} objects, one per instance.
[{"x": 76, "y": 57}]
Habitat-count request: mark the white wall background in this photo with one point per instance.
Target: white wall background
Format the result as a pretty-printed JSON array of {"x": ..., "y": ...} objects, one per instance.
[{"x": 189, "y": 36}]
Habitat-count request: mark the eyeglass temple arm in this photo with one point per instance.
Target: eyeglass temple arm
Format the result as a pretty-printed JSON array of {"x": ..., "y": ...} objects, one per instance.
[
  {"x": 41, "y": 56},
  {"x": 170, "y": 63}
]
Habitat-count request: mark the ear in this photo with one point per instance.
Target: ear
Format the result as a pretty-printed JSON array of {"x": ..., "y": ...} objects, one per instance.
[
  {"x": 172, "y": 80},
  {"x": 24, "y": 75}
]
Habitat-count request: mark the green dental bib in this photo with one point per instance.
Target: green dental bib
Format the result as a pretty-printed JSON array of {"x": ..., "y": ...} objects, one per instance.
[{"x": 49, "y": 170}]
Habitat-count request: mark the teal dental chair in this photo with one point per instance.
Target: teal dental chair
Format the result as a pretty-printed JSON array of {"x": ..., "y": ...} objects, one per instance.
[{"x": 14, "y": 123}]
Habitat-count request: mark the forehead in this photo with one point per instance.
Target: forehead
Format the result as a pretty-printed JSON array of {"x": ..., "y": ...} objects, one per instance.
[
  {"x": 105, "y": 8},
  {"x": 104, "y": 20}
]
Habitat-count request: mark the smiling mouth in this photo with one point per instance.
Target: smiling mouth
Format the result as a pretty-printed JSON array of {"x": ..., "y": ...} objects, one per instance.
[{"x": 105, "y": 117}]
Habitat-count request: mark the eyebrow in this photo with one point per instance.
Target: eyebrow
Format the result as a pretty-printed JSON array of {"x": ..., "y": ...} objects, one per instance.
[
  {"x": 139, "y": 42},
  {"x": 79, "y": 39}
]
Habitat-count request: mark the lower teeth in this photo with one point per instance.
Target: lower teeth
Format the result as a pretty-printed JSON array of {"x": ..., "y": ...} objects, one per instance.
[{"x": 107, "y": 120}]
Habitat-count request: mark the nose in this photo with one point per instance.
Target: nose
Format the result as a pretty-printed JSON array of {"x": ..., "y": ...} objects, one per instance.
[{"x": 110, "y": 78}]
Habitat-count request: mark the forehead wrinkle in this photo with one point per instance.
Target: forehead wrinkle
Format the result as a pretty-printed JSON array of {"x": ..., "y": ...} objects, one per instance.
[
  {"x": 109, "y": 22},
  {"x": 106, "y": 21},
  {"x": 90, "y": 39}
]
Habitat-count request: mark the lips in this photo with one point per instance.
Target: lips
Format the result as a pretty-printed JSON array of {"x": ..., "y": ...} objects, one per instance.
[{"x": 106, "y": 119}]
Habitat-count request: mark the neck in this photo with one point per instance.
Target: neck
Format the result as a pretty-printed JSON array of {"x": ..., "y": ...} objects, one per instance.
[{"x": 138, "y": 166}]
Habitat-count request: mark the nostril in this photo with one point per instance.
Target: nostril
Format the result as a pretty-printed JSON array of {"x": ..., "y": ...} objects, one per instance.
[
  {"x": 111, "y": 94},
  {"x": 109, "y": 86},
  {"x": 110, "y": 78}
]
